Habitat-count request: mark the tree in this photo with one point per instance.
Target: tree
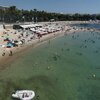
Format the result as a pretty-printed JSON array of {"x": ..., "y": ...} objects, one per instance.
[{"x": 12, "y": 14}]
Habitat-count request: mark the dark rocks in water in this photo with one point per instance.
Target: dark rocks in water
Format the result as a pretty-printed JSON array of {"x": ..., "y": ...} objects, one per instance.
[
  {"x": 98, "y": 67},
  {"x": 85, "y": 46},
  {"x": 93, "y": 41},
  {"x": 73, "y": 36},
  {"x": 37, "y": 97},
  {"x": 85, "y": 41},
  {"x": 57, "y": 79},
  {"x": 68, "y": 49},
  {"x": 78, "y": 53},
  {"x": 56, "y": 57},
  {"x": 96, "y": 51}
]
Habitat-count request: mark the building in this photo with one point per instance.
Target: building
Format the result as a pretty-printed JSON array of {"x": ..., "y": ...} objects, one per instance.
[
  {"x": 3, "y": 8},
  {"x": 27, "y": 26}
]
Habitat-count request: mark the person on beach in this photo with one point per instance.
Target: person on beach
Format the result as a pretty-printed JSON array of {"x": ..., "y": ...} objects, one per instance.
[
  {"x": 3, "y": 54},
  {"x": 10, "y": 54},
  {"x": 49, "y": 41}
]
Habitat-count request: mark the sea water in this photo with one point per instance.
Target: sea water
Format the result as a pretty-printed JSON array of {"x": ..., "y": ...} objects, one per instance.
[
  {"x": 96, "y": 26},
  {"x": 65, "y": 68}
]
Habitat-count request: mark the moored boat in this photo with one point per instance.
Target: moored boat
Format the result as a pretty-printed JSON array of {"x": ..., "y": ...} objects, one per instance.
[{"x": 24, "y": 94}]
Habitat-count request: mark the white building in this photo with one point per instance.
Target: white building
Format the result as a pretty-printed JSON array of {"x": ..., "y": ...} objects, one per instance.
[{"x": 3, "y": 8}]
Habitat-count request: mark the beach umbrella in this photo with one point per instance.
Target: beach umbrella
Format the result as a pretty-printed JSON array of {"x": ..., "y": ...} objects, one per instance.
[
  {"x": 20, "y": 42},
  {"x": 3, "y": 46},
  {"x": 9, "y": 44}
]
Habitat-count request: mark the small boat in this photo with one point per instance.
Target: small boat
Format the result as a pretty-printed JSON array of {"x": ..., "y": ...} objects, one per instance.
[{"x": 24, "y": 94}]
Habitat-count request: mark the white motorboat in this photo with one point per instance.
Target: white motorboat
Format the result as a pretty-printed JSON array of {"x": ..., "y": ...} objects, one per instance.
[{"x": 24, "y": 94}]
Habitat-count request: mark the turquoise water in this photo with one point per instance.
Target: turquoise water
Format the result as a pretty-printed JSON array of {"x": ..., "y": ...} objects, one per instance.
[{"x": 59, "y": 69}]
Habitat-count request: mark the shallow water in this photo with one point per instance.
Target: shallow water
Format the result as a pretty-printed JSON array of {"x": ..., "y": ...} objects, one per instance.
[{"x": 60, "y": 69}]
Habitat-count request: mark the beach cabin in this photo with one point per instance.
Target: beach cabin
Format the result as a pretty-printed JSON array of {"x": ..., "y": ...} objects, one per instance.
[
  {"x": 52, "y": 20},
  {"x": 17, "y": 27},
  {"x": 26, "y": 26},
  {"x": 30, "y": 29}
]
